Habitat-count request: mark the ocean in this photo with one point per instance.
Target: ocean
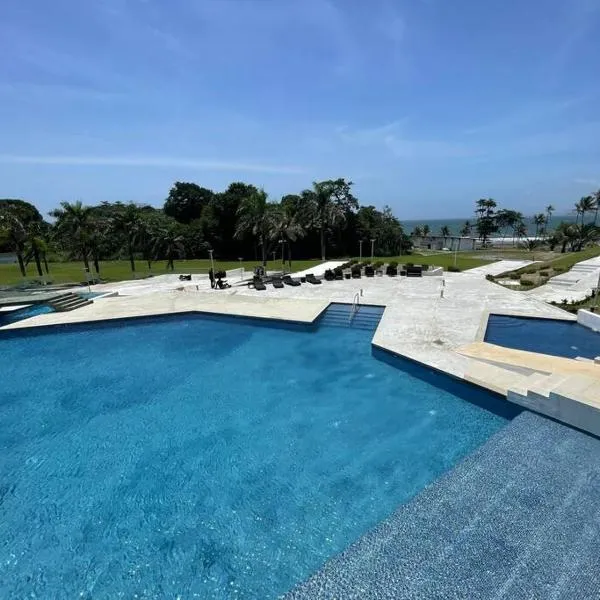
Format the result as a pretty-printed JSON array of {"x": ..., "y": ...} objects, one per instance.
[{"x": 455, "y": 225}]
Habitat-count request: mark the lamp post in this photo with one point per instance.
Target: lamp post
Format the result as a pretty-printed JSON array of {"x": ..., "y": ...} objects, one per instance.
[
  {"x": 360, "y": 243},
  {"x": 212, "y": 263},
  {"x": 372, "y": 249}
]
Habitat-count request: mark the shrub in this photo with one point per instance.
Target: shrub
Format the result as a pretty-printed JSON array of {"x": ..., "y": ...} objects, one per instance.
[
  {"x": 514, "y": 276},
  {"x": 544, "y": 273},
  {"x": 454, "y": 269},
  {"x": 393, "y": 263},
  {"x": 409, "y": 264},
  {"x": 377, "y": 265}
]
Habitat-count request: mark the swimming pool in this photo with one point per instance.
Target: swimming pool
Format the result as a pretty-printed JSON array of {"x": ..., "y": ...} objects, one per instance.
[
  {"x": 548, "y": 336},
  {"x": 13, "y": 316},
  {"x": 207, "y": 457}
]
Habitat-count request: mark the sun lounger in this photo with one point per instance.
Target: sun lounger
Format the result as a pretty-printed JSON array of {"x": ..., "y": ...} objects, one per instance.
[
  {"x": 312, "y": 279},
  {"x": 260, "y": 286},
  {"x": 277, "y": 283},
  {"x": 289, "y": 281}
]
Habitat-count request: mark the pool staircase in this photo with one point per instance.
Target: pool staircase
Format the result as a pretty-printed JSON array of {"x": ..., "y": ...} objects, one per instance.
[
  {"x": 573, "y": 398},
  {"x": 68, "y": 301},
  {"x": 354, "y": 316}
]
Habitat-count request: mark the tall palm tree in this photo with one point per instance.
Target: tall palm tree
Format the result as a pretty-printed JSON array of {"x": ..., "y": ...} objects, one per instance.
[
  {"x": 445, "y": 233},
  {"x": 37, "y": 245},
  {"x": 168, "y": 243},
  {"x": 465, "y": 230},
  {"x": 13, "y": 226},
  {"x": 288, "y": 227},
  {"x": 539, "y": 220},
  {"x": 426, "y": 230},
  {"x": 596, "y": 196},
  {"x": 549, "y": 210},
  {"x": 257, "y": 217},
  {"x": 417, "y": 231},
  {"x": 325, "y": 209},
  {"x": 128, "y": 223},
  {"x": 74, "y": 226},
  {"x": 585, "y": 204}
]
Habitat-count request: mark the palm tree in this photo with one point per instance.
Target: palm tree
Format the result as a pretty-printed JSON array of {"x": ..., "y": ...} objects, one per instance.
[
  {"x": 445, "y": 233},
  {"x": 128, "y": 223},
  {"x": 37, "y": 245},
  {"x": 464, "y": 232},
  {"x": 288, "y": 227},
  {"x": 531, "y": 246},
  {"x": 521, "y": 230},
  {"x": 325, "y": 208},
  {"x": 256, "y": 216},
  {"x": 549, "y": 210},
  {"x": 596, "y": 196},
  {"x": 426, "y": 230},
  {"x": 74, "y": 226},
  {"x": 486, "y": 218},
  {"x": 167, "y": 242},
  {"x": 13, "y": 226},
  {"x": 539, "y": 220},
  {"x": 585, "y": 204},
  {"x": 417, "y": 232}
]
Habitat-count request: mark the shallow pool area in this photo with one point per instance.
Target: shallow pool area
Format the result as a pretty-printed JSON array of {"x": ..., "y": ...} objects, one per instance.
[
  {"x": 12, "y": 316},
  {"x": 208, "y": 457},
  {"x": 547, "y": 336}
]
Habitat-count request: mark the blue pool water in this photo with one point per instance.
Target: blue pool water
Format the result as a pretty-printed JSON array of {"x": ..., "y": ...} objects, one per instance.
[
  {"x": 197, "y": 457},
  {"x": 24, "y": 313},
  {"x": 548, "y": 336}
]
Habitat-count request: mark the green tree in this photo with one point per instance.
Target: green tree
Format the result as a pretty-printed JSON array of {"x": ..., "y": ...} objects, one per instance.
[
  {"x": 186, "y": 201},
  {"x": 426, "y": 230},
  {"x": 167, "y": 243},
  {"x": 328, "y": 203},
  {"x": 287, "y": 226},
  {"x": 257, "y": 216},
  {"x": 14, "y": 229},
  {"x": 37, "y": 245},
  {"x": 74, "y": 228},
  {"x": 539, "y": 221},
  {"x": 445, "y": 233},
  {"x": 417, "y": 231},
  {"x": 127, "y": 224},
  {"x": 486, "y": 222},
  {"x": 549, "y": 210}
]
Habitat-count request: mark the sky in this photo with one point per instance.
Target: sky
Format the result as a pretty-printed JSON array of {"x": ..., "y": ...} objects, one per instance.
[{"x": 426, "y": 105}]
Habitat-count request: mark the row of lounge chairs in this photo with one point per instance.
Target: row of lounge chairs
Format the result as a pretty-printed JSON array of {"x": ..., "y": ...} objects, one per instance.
[{"x": 259, "y": 283}]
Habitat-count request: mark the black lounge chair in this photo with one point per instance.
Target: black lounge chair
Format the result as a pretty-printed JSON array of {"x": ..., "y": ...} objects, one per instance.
[
  {"x": 260, "y": 286},
  {"x": 277, "y": 283},
  {"x": 356, "y": 273},
  {"x": 289, "y": 281},
  {"x": 312, "y": 279},
  {"x": 369, "y": 271}
]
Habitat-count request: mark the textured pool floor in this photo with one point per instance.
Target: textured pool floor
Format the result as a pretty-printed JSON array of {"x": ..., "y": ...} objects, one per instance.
[
  {"x": 518, "y": 519},
  {"x": 206, "y": 458}
]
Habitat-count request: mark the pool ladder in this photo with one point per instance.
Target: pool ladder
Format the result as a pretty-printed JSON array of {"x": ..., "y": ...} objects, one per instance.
[{"x": 355, "y": 307}]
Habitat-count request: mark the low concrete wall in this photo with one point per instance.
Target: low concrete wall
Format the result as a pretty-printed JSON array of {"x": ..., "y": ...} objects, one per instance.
[
  {"x": 589, "y": 319},
  {"x": 438, "y": 272}
]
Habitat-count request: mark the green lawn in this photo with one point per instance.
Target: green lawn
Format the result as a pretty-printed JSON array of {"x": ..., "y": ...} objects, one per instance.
[
  {"x": 567, "y": 260},
  {"x": 118, "y": 270}
]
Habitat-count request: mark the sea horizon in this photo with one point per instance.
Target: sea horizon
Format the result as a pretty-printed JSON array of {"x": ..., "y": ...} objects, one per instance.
[{"x": 456, "y": 224}]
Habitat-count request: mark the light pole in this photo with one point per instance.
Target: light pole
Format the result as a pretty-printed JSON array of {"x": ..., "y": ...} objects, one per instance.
[
  {"x": 372, "y": 249},
  {"x": 212, "y": 264},
  {"x": 360, "y": 243}
]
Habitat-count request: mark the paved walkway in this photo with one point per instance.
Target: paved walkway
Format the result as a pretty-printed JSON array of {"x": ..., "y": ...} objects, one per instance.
[
  {"x": 575, "y": 284},
  {"x": 498, "y": 267},
  {"x": 516, "y": 520}
]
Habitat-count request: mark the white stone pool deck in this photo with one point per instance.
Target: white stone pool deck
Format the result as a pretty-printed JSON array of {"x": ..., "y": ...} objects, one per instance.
[{"x": 444, "y": 332}]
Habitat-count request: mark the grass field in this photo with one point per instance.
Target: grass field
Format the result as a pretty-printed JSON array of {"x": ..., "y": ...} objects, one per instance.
[{"x": 72, "y": 272}]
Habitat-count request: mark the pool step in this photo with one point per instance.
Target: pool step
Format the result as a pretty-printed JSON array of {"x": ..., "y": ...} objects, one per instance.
[
  {"x": 340, "y": 315},
  {"x": 67, "y": 302}
]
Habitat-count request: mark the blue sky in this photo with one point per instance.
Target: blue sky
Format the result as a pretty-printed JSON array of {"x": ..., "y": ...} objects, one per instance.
[{"x": 427, "y": 105}]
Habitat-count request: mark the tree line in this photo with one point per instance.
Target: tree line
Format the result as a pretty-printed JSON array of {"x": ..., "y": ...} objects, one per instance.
[
  {"x": 491, "y": 220},
  {"x": 240, "y": 222}
]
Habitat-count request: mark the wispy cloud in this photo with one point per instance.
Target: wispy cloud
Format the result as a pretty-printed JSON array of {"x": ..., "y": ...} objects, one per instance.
[
  {"x": 588, "y": 181},
  {"x": 150, "y": 161}
]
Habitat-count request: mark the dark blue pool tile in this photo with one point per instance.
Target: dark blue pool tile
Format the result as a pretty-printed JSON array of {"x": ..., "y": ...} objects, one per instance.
[
  {"x": 548, "y": 336},
  {"x": 518, "y": 519}
]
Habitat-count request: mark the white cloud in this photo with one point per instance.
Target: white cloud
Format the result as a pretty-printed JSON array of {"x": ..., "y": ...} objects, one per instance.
[{"x": 149, "y": 161}]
